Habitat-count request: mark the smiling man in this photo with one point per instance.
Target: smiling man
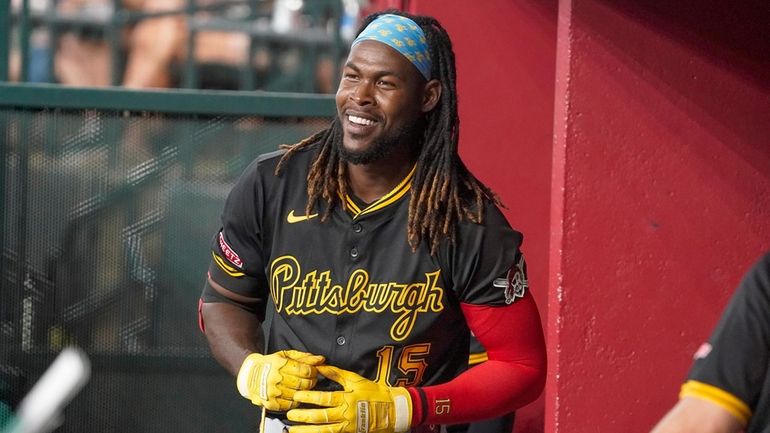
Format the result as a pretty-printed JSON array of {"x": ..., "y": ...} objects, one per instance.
[{"x": 374, "y": 252}]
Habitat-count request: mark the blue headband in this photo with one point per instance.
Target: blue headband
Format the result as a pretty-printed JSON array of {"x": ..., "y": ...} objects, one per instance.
[{"x": 404, "y": 35}]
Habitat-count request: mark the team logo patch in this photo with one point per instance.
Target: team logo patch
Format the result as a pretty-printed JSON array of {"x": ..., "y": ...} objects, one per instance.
[
  {"x": 515, "y": 283},
  {"x": 703, "y": 351},
  {"x": 230, "y": 255}
]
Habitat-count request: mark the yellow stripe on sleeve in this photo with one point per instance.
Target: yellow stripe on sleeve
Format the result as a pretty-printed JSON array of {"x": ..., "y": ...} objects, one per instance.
[
  {"x": 477, "y": 358},
  {"x": 718, "y": 396},
  {"x": 229, "y": 270}
]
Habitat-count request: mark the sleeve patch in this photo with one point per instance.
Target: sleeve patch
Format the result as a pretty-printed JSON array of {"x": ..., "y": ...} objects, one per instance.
[
  {"x": 229, "y": 270},
  {"x": 515, "y": 283},
  {"x": 702, "y": 352},
  {"x": 230, "y": 255}
]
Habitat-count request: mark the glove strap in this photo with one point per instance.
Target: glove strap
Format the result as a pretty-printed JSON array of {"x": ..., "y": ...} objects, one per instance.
[
  {"x": 247, "y": 376},
  {"x": 402, "y": 402}
]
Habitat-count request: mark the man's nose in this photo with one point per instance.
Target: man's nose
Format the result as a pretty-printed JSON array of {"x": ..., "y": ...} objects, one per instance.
[{"x": 362, "y": 94}]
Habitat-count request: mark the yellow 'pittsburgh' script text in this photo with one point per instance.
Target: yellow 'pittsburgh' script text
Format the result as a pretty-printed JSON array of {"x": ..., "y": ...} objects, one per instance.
[{"x": 315, "y": 293}]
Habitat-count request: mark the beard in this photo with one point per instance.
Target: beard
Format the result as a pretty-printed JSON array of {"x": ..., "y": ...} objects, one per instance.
[{"x": 380, "y": 147}]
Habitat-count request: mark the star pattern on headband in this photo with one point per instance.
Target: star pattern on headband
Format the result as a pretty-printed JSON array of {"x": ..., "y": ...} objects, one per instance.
[{"x": 402, "y": 34}]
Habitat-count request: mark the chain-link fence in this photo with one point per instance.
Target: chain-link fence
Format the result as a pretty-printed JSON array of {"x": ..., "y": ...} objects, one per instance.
[{"x": 106, "y": 221}]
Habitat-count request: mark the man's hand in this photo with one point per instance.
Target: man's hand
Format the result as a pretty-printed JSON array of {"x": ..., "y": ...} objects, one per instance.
[
  {"x": 362, "y": 407},
  {"x": 271, "y": 380}
]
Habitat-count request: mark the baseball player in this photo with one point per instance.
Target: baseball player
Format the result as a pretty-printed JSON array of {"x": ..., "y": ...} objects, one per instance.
[
  {"x": 373, "y": 252},
  {"x": 728, "y": 387}
]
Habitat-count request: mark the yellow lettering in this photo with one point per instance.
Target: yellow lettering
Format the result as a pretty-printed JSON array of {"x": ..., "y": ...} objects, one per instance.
[
  {"x": 378, "y": 297},
  {"x": 284, "y": 274},
  {"x": 311, "y": 285},
  {"x": 318, "y": 294},
  {"x": 330, "y": 294},
  {"x": 434, "y": 293},
  {"x": 356, "y": 290},
  {"x": 405, "y": 322}
]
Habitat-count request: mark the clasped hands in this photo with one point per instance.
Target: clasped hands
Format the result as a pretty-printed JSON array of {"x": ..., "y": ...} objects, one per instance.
[{"x": 282, "y": 380}]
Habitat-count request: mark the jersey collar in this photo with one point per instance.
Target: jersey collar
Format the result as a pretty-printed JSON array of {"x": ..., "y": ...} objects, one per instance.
[{"x": 389, "y": 198}]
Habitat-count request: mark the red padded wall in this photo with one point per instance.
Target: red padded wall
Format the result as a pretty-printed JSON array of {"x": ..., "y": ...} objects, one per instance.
[
  {"x": 506, "y": 53},
  {"x": 661, "y": 197}
]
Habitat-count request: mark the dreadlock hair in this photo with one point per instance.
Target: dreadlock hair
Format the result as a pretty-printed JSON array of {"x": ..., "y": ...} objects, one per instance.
[{"x": 443, "y": 191}]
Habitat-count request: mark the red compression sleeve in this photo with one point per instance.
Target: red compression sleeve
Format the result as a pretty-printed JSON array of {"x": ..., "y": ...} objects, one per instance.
[{"x": 513, "y": 376}]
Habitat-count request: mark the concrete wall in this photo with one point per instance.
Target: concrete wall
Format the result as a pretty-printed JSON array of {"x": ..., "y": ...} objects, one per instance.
[{"x": 661, "y": 197}]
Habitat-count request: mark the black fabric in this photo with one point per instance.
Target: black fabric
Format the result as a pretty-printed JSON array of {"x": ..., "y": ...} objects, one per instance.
[
  {"x": 350, "y": 288},
  {"x": 210, "y": 295},
  {"x": 502, "y": 424},
  {"x": 739, "y": 360}
]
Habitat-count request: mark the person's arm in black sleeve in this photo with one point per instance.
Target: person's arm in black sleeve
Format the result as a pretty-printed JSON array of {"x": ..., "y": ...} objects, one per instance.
[
  {"x": 233, "y": 303},
  {"x": 726, "y": 378},
  {"x": 234, "y": 292}
]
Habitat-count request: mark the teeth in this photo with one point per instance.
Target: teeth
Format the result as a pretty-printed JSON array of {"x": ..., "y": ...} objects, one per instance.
[{"x": 360, "y": 120}]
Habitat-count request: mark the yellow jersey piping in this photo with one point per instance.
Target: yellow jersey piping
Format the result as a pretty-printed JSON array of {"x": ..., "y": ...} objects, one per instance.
[
  {"x": 718, "y": 396},
  {"x": 477, "y": 358},
  {"x": 389, "y": 198}
]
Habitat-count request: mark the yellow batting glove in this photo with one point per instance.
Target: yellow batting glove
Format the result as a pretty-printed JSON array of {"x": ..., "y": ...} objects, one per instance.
[
  {"x": 271, "y": 380},
  {"x": 363, "y": 406}
]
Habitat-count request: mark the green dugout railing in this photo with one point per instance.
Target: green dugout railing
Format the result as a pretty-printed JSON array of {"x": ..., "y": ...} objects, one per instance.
[{"x": 181, "y": 101}]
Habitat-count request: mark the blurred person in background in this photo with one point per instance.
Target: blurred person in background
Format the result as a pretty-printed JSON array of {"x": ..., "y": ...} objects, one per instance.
[
  {"x": 154, "y": 48},
  {"x": 39, "y": 41},
  {"x": 81, "y": 55}
]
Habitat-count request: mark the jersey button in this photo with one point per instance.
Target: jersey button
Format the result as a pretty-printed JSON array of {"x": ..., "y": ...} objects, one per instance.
[
  {"x": 357, "y": 228},
  {"x": 354, "y": 252},
  {"x": 340, "y": 340}
]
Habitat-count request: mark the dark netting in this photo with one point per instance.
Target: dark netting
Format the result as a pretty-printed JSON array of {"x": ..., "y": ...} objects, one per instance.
[{"x": 107, "y": 219}]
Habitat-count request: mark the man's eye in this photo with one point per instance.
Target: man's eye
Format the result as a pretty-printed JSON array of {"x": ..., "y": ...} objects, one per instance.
[{"x": 385, "y": 83}]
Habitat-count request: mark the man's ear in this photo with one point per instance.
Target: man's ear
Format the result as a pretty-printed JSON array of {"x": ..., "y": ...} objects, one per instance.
[{"x": 431, "y": 95}]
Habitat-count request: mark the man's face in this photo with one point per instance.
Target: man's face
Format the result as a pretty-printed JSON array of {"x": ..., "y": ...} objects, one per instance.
[{"x": 380, "y": 101}]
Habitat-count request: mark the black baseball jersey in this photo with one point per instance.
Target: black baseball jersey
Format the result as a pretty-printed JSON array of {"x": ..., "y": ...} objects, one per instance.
[
  {"x": 733, "y": 368},
  {"x": 350, "y": 288}
]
